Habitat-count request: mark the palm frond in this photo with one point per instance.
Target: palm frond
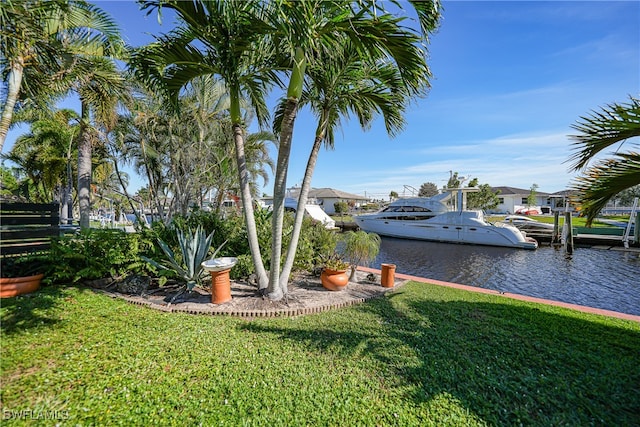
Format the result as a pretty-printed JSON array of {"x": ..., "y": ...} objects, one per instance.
[
  {"x": 605, "y": 180},
  {"x": 614, "y": 124}
]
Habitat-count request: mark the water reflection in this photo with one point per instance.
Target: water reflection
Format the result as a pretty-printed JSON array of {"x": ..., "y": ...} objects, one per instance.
[{"x": 592, "y": 277}]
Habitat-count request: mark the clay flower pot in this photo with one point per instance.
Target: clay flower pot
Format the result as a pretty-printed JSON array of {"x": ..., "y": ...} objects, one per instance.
[
  {"x": 388, "y": 275},
  {"x": 334, "y": 280},
  {"x": 11, "y": 287}
]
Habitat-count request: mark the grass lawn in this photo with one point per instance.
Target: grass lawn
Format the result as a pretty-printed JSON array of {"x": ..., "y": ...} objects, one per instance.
[
  {"x": 425, "y": 355},
  {"x": 575, "y": 221}
]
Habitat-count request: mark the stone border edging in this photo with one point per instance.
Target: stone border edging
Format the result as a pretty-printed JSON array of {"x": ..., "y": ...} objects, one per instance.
[
  {"x": 280, "y": 312},
  {"x": 199, "y": 308}
]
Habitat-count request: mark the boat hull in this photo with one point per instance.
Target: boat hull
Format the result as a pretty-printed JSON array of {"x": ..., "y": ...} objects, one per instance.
[{"x": 449, "y": 232}]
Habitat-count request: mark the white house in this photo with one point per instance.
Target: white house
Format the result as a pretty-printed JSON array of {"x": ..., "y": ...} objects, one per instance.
[
  {"x": 512, "y": 199},
  {"x": 327, "y": 197}
]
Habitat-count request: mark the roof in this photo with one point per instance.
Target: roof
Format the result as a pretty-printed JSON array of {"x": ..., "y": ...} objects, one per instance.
[
  {"x": 330, "y": 193},
  {"x": 322, "y": 193},
  {"x": 506, "y": 191}
]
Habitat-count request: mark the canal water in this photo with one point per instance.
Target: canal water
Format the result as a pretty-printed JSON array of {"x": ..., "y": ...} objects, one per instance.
[{"x": 607, "y": 279}]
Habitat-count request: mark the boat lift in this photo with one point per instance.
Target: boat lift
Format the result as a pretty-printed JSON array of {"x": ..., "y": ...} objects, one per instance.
[{"x": 632, "y": 219}]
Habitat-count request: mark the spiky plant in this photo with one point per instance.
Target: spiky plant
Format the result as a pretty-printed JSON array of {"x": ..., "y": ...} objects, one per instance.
[{"x": 194, "y": 249}]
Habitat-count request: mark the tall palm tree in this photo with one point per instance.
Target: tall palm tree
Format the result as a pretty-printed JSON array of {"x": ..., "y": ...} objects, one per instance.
[
  {"x": 45, "y": 153},
  {"x": 36, "y": 41},
  {"x": 141, "y": 138},
  {"x": 226, "y": 40},
  {"x": 206, "y": 100},
  {"x": 313, "y": 30},
  {"x": 346, "y": 84},
  {"x": 192, "y": 152},
  {"x": 100, "y": 87},
  {"x": 614, "y": 124}
]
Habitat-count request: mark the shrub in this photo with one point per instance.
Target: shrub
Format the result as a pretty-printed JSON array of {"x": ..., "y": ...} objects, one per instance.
[
  {"x": 341, "y": 207},
  {"x": 24, "y": 266},
  {"x": 96, "y": 254},
  {"x": 360, "y": 247},
  {"x": 243, "y": 268}
]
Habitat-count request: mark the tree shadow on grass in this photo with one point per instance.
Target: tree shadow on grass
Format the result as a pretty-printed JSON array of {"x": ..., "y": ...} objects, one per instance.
[
  {"x": 30, "y": 311},
  {"x": 506, "y": 363}
]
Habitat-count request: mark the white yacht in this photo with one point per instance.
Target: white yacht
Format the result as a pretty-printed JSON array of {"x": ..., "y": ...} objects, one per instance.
[{"x": 442, "y": 218}]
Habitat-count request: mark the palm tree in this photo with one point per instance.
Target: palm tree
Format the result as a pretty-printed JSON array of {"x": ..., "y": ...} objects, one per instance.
[
  {"x": 240, "y": 42},
  {"x": 141, "y": 138},
  {"x": 311, "y": 32},
  {"x": 192, "y": 152},
  {"x": 360, "y": 247},
  {"x": 346, "y": 84},
  {"x": 614, "y": 124},
  {"x": 206, "y": 100},
  {"x": 100, "y": 87},
  {"x": 36, "y": 41},
  {"x": 224, "y": 39},
  {"x": 44, "y": 153}
]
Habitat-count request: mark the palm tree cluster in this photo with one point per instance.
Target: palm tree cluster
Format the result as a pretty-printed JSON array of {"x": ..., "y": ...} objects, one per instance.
[
  {"x": 186, "y": 100},
  {"x": 339, "y": 58}
]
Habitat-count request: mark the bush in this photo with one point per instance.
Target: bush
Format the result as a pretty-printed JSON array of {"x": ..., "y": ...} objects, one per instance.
[
  {"x": 97, "y": 254},
  {"x": 24, "y": 266},
  {"x": 243, "y": 268},
  {"x": 186, "y": 264},
  {"x": 102, "y": 253},
  {"x": 341, "y": 207}
]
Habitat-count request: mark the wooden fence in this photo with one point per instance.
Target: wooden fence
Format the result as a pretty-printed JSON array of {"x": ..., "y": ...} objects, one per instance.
[{"x": 27, "y": 228}]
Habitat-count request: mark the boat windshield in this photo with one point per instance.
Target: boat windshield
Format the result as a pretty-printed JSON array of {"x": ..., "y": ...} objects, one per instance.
[{"x": 406, "y": 209}]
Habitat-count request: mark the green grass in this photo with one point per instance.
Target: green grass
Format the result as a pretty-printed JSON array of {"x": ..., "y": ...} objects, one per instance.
[
  {"x": 575, "y": 221},
  {"x": 342, "y": 218},
  {"x": 424, "y": 355}
]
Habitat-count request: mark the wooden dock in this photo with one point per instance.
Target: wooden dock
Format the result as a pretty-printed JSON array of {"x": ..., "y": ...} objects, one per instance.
[{"x": 586, "y": 239}]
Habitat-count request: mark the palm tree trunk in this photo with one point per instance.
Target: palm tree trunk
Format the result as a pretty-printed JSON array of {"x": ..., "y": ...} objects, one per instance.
[
  {"x": 153, "y": 190},
  {"x": 294, "y": 91},
  {"x": 276, "y": 291},
  {"x": 15, "y": 80},
  {"x": 247, "y": 204},
  {"x": 84, "y": 168},
  {"x": 126, "y": 193},
  {"x": 302, "y": 201}
]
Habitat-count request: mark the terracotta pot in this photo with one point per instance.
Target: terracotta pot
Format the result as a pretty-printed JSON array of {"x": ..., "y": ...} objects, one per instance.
[
  {"x": 220, "y": 286},
  {"x": 11, "y": 287},
  {"x": 388, "y": 277},
  {"x": 334, "y": 280}
]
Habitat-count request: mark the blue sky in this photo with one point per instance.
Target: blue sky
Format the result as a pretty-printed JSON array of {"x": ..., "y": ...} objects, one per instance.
[{"x": 510, "y": 77}]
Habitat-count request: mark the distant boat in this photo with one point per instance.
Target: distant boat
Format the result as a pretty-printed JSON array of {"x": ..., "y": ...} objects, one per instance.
[
  {"x": 432, "y": 219},
  {"x": 314, "y": 211},
  {"x": 529, "y": 225}
]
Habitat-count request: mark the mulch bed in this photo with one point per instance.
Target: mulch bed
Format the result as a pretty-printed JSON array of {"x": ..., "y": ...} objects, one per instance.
[{"x": 306, "y": 296}]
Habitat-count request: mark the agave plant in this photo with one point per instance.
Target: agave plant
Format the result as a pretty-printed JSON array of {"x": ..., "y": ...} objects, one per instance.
[{"x": 194, "y": 249}]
